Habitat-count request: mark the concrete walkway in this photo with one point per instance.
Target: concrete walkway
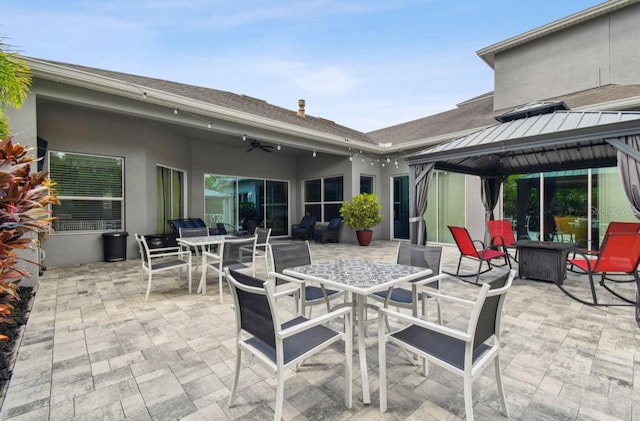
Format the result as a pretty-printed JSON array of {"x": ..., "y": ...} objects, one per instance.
[{"x": 94, "y": 350}]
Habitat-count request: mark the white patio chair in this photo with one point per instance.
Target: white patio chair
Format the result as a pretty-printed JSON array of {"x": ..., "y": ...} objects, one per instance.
[
  {"x": 464, "y": 352},
  {"x": 262, "y": 246},
  {"x": 281, "y": 344},
  {"x": 233, "y": 253},
  {"x": 162, "y": 259}
]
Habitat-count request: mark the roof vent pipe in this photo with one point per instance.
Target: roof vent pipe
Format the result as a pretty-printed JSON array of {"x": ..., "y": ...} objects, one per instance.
[{"x": 301, "y": 108}]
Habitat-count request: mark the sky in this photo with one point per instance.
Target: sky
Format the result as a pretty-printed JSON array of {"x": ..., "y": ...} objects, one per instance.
[{"x": 365, "y": 64}]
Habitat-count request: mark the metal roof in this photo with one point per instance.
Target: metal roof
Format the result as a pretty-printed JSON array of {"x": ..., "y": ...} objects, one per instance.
[{"x": 560, "y": 140}]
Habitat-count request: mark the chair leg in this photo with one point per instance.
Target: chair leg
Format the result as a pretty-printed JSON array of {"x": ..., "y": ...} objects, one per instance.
[
  {"x": 468, "y": 399},
  {"x": 279, "y": 394},
  {"x": 503, "y": 398},
  {"x": 480, "y": 270},
  {"x": 146, "y": 297},
  {"x": 382, "y": 362},
  {"x": 234, "y": 387},
  {"x": 189, "y": 277},
  {"x": 220, "y": 285},
  {"x": 348, "y": 363}
]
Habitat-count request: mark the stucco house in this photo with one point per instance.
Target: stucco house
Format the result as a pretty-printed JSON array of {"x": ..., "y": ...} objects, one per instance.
[{"x": 130, "y": 152}]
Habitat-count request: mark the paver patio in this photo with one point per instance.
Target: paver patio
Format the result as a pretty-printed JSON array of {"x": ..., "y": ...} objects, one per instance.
[{"x": 93, "y": 349}]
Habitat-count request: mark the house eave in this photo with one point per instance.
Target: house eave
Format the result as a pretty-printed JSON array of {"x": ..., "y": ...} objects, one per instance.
[{"x": 75, "y": 77}]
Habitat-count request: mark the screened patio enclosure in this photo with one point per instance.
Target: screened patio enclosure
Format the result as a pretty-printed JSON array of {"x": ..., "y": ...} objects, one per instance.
[{"x": 559, "y": 140}]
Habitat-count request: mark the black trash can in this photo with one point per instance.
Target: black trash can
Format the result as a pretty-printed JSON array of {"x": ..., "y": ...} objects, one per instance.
[{"x": 115, "y": 246}]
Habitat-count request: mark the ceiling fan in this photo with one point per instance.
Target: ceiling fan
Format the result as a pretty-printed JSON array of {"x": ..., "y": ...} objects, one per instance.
[{"x": 257, "y": 145}]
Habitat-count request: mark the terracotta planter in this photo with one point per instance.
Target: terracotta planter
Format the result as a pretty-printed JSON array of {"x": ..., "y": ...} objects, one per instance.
[{"x": 364, "y": 237}]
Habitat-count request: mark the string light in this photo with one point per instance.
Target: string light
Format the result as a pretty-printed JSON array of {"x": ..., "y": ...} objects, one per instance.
[
  {"x": 244, "y": 137},
  {"x": 144, "y": 95},
  {"x": 175, "y": 111},
  {"x": 350, "y": 157},
  {"x": 209, "y": 125},
  {"x": 278, "y": 147},
  {"x": 388, "y": 160},
  {"x": 314, "y": 154}
]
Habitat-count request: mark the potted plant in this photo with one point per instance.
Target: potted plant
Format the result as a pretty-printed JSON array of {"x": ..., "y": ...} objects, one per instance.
[{"x": 361, "y": 213}]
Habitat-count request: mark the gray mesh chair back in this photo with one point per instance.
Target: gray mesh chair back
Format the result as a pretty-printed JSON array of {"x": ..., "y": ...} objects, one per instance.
[
  {"x": 487, "y": 325},
  {"x": 194, "y": 232},
  {"x": 239, "y": 251},
  {"x": 286, "y": 255},
  {"x": 254, "y": 310},
  {"x": 419, "y": 256}
]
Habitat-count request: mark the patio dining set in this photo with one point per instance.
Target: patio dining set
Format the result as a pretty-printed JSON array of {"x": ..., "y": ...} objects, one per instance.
[
  {"x": 94, "y": 348},
  {"x": 283, "y": 339}
]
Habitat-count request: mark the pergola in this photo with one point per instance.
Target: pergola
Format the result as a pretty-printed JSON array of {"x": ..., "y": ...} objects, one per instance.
[
  {"x": 560, "y": 140},
  {"x": 539, "y": 138}
]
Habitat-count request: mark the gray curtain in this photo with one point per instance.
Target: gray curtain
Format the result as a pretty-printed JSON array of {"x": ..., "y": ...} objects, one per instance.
[
  {"x": 629, "y": 169},
  {"x": 419, "y": 178},
  {"x": 490, "y": 193}
]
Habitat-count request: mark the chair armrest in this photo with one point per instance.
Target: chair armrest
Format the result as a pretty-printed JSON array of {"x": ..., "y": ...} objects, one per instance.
[
  {"x": 479, "y": 242},
  {"x": 286, "y": 278},
  {"x": 441, "y": 296},
  {"x": 169, "y": 254},
  {"x": 590, "y": 259},
  {"x": 430, "y": 279},
  {"x": 334, "y": 314},
  {"x": 164, "y": 250},
  {"x": 285, "y": 290},
  {"x": 458, "y": 334}
]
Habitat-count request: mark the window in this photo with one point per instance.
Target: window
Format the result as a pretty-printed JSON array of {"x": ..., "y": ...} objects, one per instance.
[
  {"x": 91, "y": 192},
  {"x": 323, "y": 197},
  {"x": 169, "y": 196},
  {"x": 366, "y": 184}
]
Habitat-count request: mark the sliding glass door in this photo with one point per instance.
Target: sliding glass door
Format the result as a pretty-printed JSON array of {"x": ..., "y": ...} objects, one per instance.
[
  {"x": 243, "y": 204},
  {"x": 576, "y": 205}
]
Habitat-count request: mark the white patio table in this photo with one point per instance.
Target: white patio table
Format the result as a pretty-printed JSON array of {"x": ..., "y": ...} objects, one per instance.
[
  {"x": 201, "y": 243},
  {"x": 360, "y": 277}
]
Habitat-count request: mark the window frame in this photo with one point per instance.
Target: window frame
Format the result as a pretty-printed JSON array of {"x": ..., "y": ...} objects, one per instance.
[
  {"x": 373, "y": 185},
  {"x": 323, "y": 202},
  {"x": 57, "y": 223}
]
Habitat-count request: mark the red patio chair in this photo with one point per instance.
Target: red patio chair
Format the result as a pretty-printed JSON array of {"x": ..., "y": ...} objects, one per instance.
[
  {"x": 613, "y": 227},
  {"x": 467, "y": 248},
  {"x": 619, "y": 254},
  {"x": 502, "y": 236},
  {"x": 617, "y": 227}
]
